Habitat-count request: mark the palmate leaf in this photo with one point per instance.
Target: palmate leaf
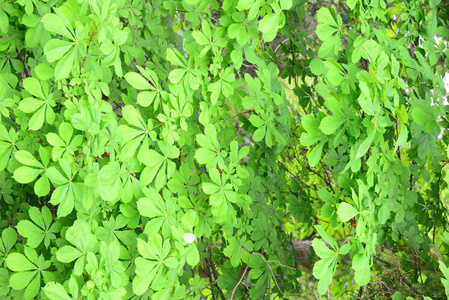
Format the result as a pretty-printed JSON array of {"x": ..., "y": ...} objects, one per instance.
[
  {"x": 64, "y": 52},
  {"x": 237, "y": 250},
  {"x": 63, "y": 144},
  {"x": 146, "y": 271},
  {"x": 41, "y": 229},
  {"x": 210, "y": 151},
  {"x": 113, "y": 266},
  {"x": 27, "y": 271},
  {"x": 189, "y": 76},
  {"x": 159, "y": 168},
  {"x": 109, "y": 182},
  {"x": 155, "y": 253},
  {"x": 140, "y": 136},
  {"x": 41, "y": 106},
  {"x": 222, "y": 86},
  {"x": 66, "y": 190},
  {"x": 26, "y": 174},
  {"x": 80, "y": 235},
  {"x": 328, "y": 30},
  {"x": 161, "y": 211}
]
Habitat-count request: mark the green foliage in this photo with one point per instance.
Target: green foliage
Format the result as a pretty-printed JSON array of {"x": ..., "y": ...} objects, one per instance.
[
  {"x": 148, "y": 149},
  {"x": 377, "y": 125}
]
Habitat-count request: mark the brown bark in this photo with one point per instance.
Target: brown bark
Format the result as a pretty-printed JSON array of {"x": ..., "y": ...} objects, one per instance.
[{"x": 303, "y": 249}]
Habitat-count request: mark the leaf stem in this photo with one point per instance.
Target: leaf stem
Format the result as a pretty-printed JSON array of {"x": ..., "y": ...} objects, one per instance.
[{"x": 238, "y": 283}]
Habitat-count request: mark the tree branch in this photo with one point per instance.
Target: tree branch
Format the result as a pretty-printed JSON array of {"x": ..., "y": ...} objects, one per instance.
[{"x": 238, "y": 283}]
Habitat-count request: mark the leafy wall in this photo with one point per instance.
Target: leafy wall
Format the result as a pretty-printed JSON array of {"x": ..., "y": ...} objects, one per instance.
[{"x": 147, "y": 148}]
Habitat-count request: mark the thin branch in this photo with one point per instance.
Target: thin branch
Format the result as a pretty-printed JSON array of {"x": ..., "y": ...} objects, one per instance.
[
  {"x": 272, "y": 273},
  {"x": 26, "y": 69},
  {"x": 296, "y": 177},
  {"x": 282, "y": 265},
  {"x": 278, "y": 46},
  {"x": 88, "y": 46},
  {"x": 238, "y": 283},
  {"x": 209, "y": 285},
  {"x": 215, "y": 275},
  {"x": 240, "y": 113}
]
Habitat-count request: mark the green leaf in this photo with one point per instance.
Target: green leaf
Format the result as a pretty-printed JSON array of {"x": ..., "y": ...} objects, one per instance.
[
  {"x": 346, "y": 212},
  {"x": 4, "y": 22},
  {"x": 147, "y": 208},
  {"x": 55, "y": 291},
  {"x": 364, "y": 146},
  {"x": 256, "y": 120},
  {"x": 67, "y": 254},
  {"x": 27, "y": 158},
  {"x": 55, "y": 49},
  {"x": 315, "y": 154},
  {"x": 33, "y": 287},
  {"x": 42, "y": 186},
  {"x": 285, "y": 4},
  {"x": 171, "y": 262},
  {"x": 244, "y": 4},
  {"x": 325, "y": 16},
  {"x": 352, "y": 3},
  {"x": 153, "y": 158},
  {"x": 132, "y": 116},
  {"x": 192, "y": 255},
  {"x": 259, "y": 134},
  {"x": 44, "y": 71},
  {"x": 326, "y": 196},
  {"x": 204, "y": 156},
  {"x": 345, "y": 249},
  {"x": 33, "y": 86},
  {"x": 65, "y": 66},
  {"x": 21, "y": 280},
  {"x": 55, "y": 176},
  {"x": 56, "y": 24},
  {"x": 146, "y": 98},
  {"x": 17, "y": 262},
  {"x": 137, "y": 81},
  {"x": 317, "y": 66},
  {"x": 330, "y": 124},
  {"x": 200, "y": 38},
  {"x": 361, "y": 266},
  {"x": 192, "y": 2},
  {"x": 26, "y": 174},
  {"x": 384, "y": 212},
  {"x": 30, "y": 105},
  {"x": 177, "y": 75},
  {"x": 34, "y": 234},
  {"x": 329, "y": 239},
  {"x": 321, "y": 249},
  {"x": 268, "y": 22},
  {"x": 175, "y": 57}
]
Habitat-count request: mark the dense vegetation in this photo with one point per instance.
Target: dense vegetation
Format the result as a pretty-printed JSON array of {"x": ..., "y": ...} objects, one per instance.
[{"x": 189, "y": 149}]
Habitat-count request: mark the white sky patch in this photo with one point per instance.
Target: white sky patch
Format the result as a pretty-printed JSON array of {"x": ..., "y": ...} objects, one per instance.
[{"x": 446, "y": 86}]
